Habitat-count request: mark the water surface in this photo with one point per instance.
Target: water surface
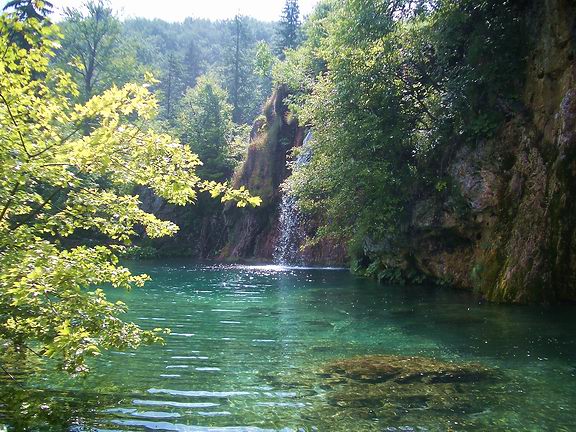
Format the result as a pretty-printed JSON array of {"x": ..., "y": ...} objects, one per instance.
[{"x": 248, "y": 346}]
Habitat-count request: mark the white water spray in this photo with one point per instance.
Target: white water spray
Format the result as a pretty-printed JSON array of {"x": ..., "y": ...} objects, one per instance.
[{"x": 291, "y": 236}]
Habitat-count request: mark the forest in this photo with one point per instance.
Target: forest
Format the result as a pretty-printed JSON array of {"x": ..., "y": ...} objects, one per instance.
[{"x": 317, "y": 223}]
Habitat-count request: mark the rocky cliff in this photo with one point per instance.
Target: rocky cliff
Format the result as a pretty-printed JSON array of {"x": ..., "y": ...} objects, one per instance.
[
  {"x": 252, "y": 234},
  {"x": 209, "y": 230},
  {"x": 200, "y": 235},
  {"x": 508, "y": 227}
]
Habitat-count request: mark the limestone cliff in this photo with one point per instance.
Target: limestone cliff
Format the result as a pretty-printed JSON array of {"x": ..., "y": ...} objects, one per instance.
[
  {"x": 509, "y": 231},
  {"x": 252, "y": 233},
  {"x": 209, "y": 230}
]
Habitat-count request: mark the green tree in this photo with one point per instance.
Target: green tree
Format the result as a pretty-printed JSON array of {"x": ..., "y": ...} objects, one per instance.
[
  {"x": 171, "y": 85},
  {"x": 192, "y": 64},
  {"x": 26, "y": 9},
  {"x": 90, "y": 38},
  {"x": 288, "y": 36},
  {"x": 239, "y": 72},
  {"x": 51, "y": 187},
  {"x": 264, "y": 62},
  {"x": 205, "y": 121},
  {"x": 390, "y": 102}
]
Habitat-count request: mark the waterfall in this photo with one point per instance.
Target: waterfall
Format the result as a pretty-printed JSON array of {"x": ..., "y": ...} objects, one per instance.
[{"x": 291, "y": 235}]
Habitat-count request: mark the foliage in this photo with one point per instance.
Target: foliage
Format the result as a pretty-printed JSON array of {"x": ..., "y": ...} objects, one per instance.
[
  {"x": 205, "y": 122},
  {"x": 171, "y": 87},
  {"x": 26, "y": 9},
  {"x": 288, "y": 36},
  {"x": 391, "y": 88},
  {"x": 177, "y": 53},
  {"x": 264, "y": 61},
  {"x": 60, "y": 177},
  {"x": 238, "y": 72},
  {"x": 91, "y": 35}
]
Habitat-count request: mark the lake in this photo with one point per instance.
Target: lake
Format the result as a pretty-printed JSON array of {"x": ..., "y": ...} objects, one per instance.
[{"x": 270, "y": 348}]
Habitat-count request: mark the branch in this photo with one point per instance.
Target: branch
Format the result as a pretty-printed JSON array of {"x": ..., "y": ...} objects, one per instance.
[
  {"x": 62, "y": 140},
  {"x": 15, "y": 124},
  {"x": 10, "y": 200},
  {"x": 37, "y": 210},
  {"x": 10, "y": 375}
]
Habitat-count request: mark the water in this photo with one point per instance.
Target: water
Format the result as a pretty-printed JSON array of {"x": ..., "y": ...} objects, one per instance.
[
  {"x": 291, "y": 230},
  {"x": 287, "y": 249},
  {"x": 250, "y": 345}
]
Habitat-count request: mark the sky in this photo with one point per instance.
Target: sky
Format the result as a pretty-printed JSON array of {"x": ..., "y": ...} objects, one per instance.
[{"x": 177, "y": 10}]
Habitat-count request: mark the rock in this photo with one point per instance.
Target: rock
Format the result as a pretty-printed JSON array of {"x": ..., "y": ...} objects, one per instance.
[
  {"x": 405, "y": 370},
  {"x": 252, "y": 233},
  {"x": 389, "y": 392},
  {"x": 507, "y": 228}
]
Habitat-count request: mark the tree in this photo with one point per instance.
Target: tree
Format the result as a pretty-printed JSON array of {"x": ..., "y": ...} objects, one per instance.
[
  {"x": 391, "y": 101},
  {"x": 239, "y": 74},
  {"x": 288, "y": 36},
  {"x": 51, "y": 187},
  {"x": 264, "y": 62},
  {"x": 205, "y": 120},
  {"x": 90, "y": 37},
  {"x": 171, "y": 85},
  {"x": 192, "y": 64},
  {"x": 26, "y": 9}
]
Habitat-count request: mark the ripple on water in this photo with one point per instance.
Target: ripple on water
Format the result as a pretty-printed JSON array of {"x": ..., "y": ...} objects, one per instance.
[
  {"x": 264, "y": 335},
  {"x": 174, "y": 404},
  {"x": 202, "y": 393},
  {"x": 165, "y": 426}
]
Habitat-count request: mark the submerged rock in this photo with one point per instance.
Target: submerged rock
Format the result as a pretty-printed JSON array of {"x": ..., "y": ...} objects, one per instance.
[
  {"x": 404, "y": 370},
  {"x": 392, "y": 388},
  {"x": 395, "y": 393}
]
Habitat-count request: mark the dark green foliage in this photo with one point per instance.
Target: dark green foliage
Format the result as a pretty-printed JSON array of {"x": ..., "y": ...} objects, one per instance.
[
  {"x": 205, "y": 123},
  {"x": 192, "y": 63},
  {"x": 172, "y": 85},
  {"x": 392, "y": 89},
  {"x": 288, "y": 35},
  {"x": 26, "y": 9},
  {"x": 198, "y": 46},
  {"x": 238, "y": 71}
]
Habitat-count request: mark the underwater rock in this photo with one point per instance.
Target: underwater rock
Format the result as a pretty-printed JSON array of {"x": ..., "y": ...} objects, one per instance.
[
  {"x": 403, "y": 370},
  {"x": 395, "y": 393},
  {"x": 392, "y": 388}
]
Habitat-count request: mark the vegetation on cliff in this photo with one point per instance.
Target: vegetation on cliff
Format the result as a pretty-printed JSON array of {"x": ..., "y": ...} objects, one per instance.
[
  {"x": 389, "y": 101},
  {"x": 417, "y": 109}
]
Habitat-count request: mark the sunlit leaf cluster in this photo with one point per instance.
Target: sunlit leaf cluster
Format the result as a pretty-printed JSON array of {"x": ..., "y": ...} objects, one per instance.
[{"x": 66, "y": 211}]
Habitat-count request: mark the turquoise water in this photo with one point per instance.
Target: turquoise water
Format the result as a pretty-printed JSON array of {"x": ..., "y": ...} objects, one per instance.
[{"x": 249, "y": 347}]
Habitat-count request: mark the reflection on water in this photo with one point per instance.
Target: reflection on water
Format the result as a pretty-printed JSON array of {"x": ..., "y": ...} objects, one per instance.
[{"x": 250, "y": 347}]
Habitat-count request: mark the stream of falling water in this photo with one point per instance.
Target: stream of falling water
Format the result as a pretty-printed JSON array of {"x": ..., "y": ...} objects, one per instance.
[{"x": 291, "y": 236}]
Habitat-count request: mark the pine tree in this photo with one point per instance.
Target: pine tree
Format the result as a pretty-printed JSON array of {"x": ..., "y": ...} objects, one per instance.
[
  {"x": 192, "y": 64},
  {"x": 289, "y": 28},
  {"x": 239, "y": 71},
  {"x": 26, "y": 9},
  {"x": 172, "y": 85}
]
